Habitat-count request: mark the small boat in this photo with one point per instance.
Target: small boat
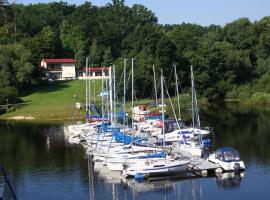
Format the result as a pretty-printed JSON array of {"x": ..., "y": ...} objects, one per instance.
[
  {"x": 152, "y": 167},
  {"x": 228, "y": 158},
  {"x": 117, "y": 163}
]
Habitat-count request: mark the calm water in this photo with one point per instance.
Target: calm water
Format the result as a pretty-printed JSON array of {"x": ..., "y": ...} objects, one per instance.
[{"x": 41, "y": 165}]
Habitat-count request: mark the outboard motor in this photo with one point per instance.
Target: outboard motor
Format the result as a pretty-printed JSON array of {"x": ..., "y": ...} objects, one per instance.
[{"x": 236, "y": 167}]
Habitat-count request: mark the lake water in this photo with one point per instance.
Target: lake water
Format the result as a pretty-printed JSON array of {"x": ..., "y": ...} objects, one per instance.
[{"x": 41, "y": 165}]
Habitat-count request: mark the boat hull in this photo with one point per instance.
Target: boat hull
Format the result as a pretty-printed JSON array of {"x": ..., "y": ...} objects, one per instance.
[{"x": 157, "y": 169}]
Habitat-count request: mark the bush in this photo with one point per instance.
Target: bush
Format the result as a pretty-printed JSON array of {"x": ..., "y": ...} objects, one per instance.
[
  {"x": 9, "y": 93},
  {"x": 260, "y": 98}
]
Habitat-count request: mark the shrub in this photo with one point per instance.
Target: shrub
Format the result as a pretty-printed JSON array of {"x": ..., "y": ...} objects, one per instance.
[{"x": 9, "y": 93}]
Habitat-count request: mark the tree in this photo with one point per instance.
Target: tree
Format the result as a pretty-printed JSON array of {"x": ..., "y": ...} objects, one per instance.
[
  {"x": 70, "y": 35},
  {"x": 15, "y": 69},
  {"x": 95, "y": 53},
  {"x": 239, "y": 33},
  {"x": 80, "y": 54},
  {"x": 141, "y": 15},
  {"x": 43, "y": 45},
  {"x": 107, "y": 57}
]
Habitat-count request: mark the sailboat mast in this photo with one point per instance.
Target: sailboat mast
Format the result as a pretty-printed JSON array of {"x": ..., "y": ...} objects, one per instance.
[
  {"x": 102, "y": 94},
  {"x": 162, "y": 99},
  {"x": 177, "y": 92},
  {"x": 89, "y": 90},
  {"x": 111, "y": 97},
  {"x": 192, "y": 91},
  {"x": 132, "y": 90},
  {"x": 155, "y": 84},
  {"x": 114, "y": 95},
  {"x": 86, "y": 84},
  {"x": 124, "y": 100}
]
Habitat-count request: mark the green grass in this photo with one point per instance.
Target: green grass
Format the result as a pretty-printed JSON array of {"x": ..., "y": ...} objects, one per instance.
[
  {"x": 53, "y": 102},
  {"x": 56, "y": 101}
]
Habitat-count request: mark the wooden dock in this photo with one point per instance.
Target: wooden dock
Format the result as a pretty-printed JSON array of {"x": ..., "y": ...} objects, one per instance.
[{"x": 199, "y": 166}]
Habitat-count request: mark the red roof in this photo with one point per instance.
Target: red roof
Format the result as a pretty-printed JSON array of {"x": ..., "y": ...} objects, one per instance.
[{"x": 59, "y": 60}]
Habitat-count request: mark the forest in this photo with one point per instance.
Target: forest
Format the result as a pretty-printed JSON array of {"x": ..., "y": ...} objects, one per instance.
[{"x": 229, "y": 62}]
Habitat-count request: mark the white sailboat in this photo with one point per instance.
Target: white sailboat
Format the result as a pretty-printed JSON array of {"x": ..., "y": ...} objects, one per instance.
[
  {"x": 193, "y": 146},
  {"x": 162, "y": 166}
]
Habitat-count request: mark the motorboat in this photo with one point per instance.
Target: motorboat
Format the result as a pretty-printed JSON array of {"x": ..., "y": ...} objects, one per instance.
[{"x": 228, "y": 158}]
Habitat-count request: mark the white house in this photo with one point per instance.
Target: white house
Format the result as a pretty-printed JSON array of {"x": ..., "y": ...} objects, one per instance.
[{"x": 59, "y": 68}]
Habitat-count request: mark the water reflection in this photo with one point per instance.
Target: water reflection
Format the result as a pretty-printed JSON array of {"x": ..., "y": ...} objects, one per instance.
[
  {"x": 42, "y": 165},
  {"x": 229, "y": 179}
]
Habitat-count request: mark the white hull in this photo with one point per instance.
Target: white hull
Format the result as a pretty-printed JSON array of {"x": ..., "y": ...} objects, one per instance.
[
  {"x": 227, "y": 165},
  {"x": 160, "y": 167}
]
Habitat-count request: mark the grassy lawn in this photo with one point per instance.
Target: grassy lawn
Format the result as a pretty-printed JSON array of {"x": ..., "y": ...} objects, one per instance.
[
  {"x": 56, "y": 101},
  {"x": 53, "y": 102}
]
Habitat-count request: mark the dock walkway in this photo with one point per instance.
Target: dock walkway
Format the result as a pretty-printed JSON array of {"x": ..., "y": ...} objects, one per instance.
[{"x": 198, "y": 165}]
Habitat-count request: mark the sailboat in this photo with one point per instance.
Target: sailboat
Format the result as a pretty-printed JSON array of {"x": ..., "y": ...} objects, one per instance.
[
  {"x": 193, "y": 146},
  {"x": 163, "y": 166}
]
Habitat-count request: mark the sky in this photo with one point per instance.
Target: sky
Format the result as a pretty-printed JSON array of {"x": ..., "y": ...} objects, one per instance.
[{"x": 202, "y": 12}]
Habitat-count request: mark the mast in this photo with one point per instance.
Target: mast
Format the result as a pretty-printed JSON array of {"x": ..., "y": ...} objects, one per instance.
[
  {"x": 89, "y": 90},
  {"x": 102, "y": 93},
  {"x": 196, "y": 110},
  {"x": 192, "y": 91},
  {"x": 155, "y": 84},
  {"x": 132, "y": 90},
  {"x": 114, "y": 95},
  {"x": 124, "y": 100},
  {"x": 162, "y": 99},
  {"x": 86, "y": 84},
  {"x": 111, "y": 97},
  {"x": 177, "y": 92}
]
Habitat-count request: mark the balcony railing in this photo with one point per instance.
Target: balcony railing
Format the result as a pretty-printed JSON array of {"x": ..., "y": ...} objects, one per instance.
[{"x": 54, "y": 70}]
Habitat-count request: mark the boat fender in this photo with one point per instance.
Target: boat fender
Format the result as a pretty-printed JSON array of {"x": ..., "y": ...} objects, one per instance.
[
  {"x": 204, "y": 173},
  {"x": 218, "y": 170},
  {"x": 139, "y": 176}
]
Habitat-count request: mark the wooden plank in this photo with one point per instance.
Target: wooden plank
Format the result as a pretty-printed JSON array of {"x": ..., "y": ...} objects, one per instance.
[{"x": 202, "y": 164}]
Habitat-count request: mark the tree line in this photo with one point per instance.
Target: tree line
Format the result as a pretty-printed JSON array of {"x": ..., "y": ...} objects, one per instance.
[{"x": 228, "y": 61}]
